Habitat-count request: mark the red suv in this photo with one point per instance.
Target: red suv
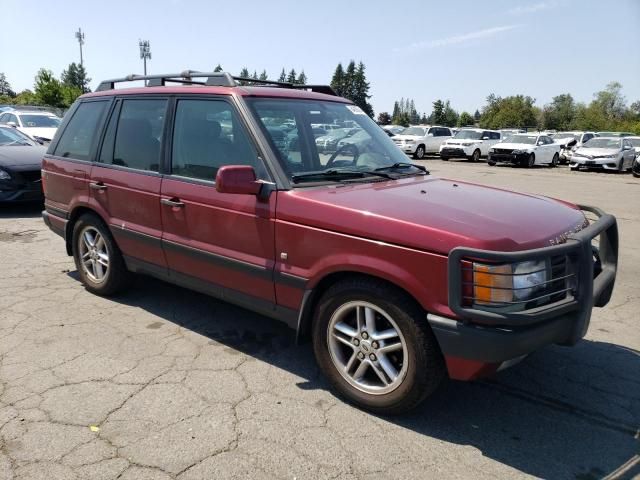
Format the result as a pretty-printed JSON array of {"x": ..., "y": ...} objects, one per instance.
[{"x": 399, "y": 278}]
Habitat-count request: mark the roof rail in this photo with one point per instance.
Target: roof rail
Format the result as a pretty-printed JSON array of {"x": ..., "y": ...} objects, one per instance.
[{"x": 217, "y": 79}]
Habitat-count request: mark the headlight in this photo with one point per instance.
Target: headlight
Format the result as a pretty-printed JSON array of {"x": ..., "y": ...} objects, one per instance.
[
  {"x": 517, "y": 152},
  {"x": 508, "y": 285},
  {"x": 4, "y": 175},
  {"x": 492, "y": 150}
]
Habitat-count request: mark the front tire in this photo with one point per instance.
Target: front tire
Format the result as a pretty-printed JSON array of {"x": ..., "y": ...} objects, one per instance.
[
  {"x": 531, "y": 161},
  {"x": 554, "y": 161},
  {"x": 419, "y": 153},
  {"x": 98, "y": 259},
  {"x": 635, "y": 168},
  {"x": 475, "y": 157},
  {"x": 446, "y": 159},
  {"x": 375, "y": 347}
]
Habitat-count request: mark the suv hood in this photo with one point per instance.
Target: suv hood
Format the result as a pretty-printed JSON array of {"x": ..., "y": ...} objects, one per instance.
[
  {"x": 514, "y": 146},
  {"x": 469, "y": 141},
  {"x": 42, "y": 132},
  {"x": 407, "y": 137},
  {"x": 432, "y": 214}
]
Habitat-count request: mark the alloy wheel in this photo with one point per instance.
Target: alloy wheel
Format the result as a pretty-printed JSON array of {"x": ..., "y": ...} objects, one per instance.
[
  {"x": 367, "y": 347},
  {"x": 94, "y": 254}
]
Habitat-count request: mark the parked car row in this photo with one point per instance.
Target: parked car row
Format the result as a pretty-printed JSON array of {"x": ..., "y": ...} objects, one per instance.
[{"x": 40, "y": 125}]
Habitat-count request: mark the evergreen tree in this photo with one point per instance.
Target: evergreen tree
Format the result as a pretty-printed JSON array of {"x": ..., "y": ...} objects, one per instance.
[
  {"x": 424, "y": 120},
  {"x": 302, "y": 78},
  {"x": 5, "y": 87},
  {"x": 476, "y": 115},
  {"x": 384, "y": 118},
  {"x": 396, "y": 111},
  {"x": 337, "y": 82},
  {"x": 263, "y": 75},
  {"x": 413, "y": 113},
  {"x": 255, "y": 75},
  {"x": 76, "y": 76},
  {"x": 361, "y": 90},
  {"x": 218, "y": 68},
  {"x": 291, "y": 78},
  {"x": 349, "y": 77},
  {"x": 283, "y": 76},
  {"x": 465, "y": 120},
  {"x": 438, "y": 112},
  {"x": 244, "y": 73}
]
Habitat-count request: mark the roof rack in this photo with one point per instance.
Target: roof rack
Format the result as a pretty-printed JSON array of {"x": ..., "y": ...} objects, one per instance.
[{"x": 217, "y": 79}]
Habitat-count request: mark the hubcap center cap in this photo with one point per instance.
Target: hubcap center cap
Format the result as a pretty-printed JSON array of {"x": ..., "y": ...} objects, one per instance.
[{"x": 365, "y": 346}]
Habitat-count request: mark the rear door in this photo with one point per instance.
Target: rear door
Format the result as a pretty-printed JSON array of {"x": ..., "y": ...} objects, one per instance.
[
  {"x": 67, "y": 164},
  {"x": 217, "y": 242},
  {"x": 125, "y": 183}
]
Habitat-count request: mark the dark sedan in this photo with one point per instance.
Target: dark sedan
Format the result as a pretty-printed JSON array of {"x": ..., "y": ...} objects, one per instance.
[{"x": 20, "y": 163}]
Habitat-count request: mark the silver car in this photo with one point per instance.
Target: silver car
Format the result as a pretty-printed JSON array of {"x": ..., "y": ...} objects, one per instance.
[{"x": 608, "y": 153}]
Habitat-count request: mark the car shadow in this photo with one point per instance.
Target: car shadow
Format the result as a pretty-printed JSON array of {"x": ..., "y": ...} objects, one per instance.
[
  {"x": 21, "y": 210},
  {"x": 562, "y": 413}
]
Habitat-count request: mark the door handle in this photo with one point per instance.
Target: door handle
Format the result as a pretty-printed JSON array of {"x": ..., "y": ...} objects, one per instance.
[
  {"x": 172, "y": 202},
  {"x": 97, "y": 186}
]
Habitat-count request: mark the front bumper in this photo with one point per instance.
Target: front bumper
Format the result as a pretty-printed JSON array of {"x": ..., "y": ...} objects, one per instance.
[
  {"x": 456, "y": 151},
  {"x": 494, "y": 337},
  {"x": 20, "y": 193},
  {"x": 610, "y": 163},
  {"x": 509, "y": 158}
]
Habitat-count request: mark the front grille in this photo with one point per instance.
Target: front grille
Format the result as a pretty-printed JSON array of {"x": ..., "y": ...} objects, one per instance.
[
  {"x": 30, "y": 176},
  {"x": 503, "y": 150}
]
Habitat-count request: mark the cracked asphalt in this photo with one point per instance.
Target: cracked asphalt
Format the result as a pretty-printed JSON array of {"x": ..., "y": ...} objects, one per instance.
[{"x": 164, "y": 383}]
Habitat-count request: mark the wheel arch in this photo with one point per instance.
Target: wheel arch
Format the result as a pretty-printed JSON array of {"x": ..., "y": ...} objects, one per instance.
[
  {"x": 313, "y": 294},
  {"x": 74, "y": 215}
]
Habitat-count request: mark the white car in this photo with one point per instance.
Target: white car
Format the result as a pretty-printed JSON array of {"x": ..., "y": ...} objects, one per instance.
[
  {"x": 527, "y": 150},
  {"x": 608, "y": 153},
  {"x": 420, "y": 140},
  {"x": 567, "y": 147},
  {"x": 38, "y": 125},
  {"x": 471, "y": 143}
]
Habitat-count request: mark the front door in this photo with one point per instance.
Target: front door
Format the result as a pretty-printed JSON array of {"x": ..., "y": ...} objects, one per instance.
[
  {"x": 216, "y": 242},
  {"x": 125, "y": 183}
]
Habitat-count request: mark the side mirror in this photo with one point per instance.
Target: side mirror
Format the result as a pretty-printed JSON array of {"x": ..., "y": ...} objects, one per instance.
[
  {"x": 540, "y": 143},
  {"x": 12, "y": 124},
  {"x": 626, "y": 147},
  {"x": 239, "y": 179},
  {"x": 429, "y": 134},
  {"x": 485, "y": 138}
]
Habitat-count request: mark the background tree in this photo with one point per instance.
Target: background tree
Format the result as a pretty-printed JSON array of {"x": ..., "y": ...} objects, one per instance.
[
  {"x": 302, "y": 78},
  {"x": 76, "y": 76},
  {"x": 218, "y": 68},
  {"x": 424, "y": 120},
  {"x": 5, "y": 86},
  {"x": 465, "y": 119},
  {"x": 360, "y": 89},
  {"x": 401, "y": 111},
  {"x": 437, "y": 116},
  {"x": 338, "y": 80},
  {"x": 244, "y": 73},
  {"x": 26, "y": 97},
  {"x": 450, "y": 116},
  {"x": 476, "y": 115},
  {"x": 350, "y": 73},
  {"x": 559, "y": 114},
  {"x": 513, "y": 111},
  {"x": 283, "y": 76},
  {"x": 611, "y": 102},
  {"x": 263, "y": 75},
  {"x": 48, "y": 90},
  {"x": 384, "y": 118},
  {"x": 291, "y": 78}
]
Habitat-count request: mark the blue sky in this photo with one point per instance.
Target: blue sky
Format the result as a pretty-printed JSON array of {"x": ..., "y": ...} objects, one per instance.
[{"x": 424, "y": 50}]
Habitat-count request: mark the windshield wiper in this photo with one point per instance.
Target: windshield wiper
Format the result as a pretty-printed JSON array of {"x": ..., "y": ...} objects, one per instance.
[
  {"x": 401, "y": 165},
  {"x": 337, "y": 174}
]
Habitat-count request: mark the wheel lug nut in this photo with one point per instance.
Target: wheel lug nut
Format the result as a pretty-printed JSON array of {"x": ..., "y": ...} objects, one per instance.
[
  {"x": 356, "y": 342},
  {"x": 365, "y": 335},
  {"x": 361, "y": 355},
  {"x": 375, "y": 345},
  {"x": 372, "y": 357}
]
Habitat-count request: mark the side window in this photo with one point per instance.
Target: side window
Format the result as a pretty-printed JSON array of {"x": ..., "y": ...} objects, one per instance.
[
  {"x": 494, "y": 135},
  {"x": 4, "y": 117},
  {"x": 14, "y": 119},
  {"x": 587, "y": 136},
  {"x": 446, "y": 132},
  {"x": 83, "y": 128},
  {"x": 138, "y": 134},
  {"x": 208, "y": 135},
  {"x": 433, "y": 131}
]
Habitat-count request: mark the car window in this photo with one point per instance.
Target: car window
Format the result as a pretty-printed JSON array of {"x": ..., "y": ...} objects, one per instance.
[
  {"x": 207, "y": 135},
  {"x": 3, "y": 117},
  {"x": 494, "y": 135},
  {"x": 82, "y": 130},
  {"x": 39, "y": 121},
  {"x": 138, "y": 134},
  {"x": 587, "y": 136}
]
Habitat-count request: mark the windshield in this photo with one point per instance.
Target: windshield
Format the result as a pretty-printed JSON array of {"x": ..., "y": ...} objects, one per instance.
[
  {"x": 39, "y": 121},
  {"x": 11, "y": 136},
  {"x": 527, "y": 139},
  {"x": 602, "y": 143},
  {"x": 414, "y": 131},
  {"x": 470, "y": 134},
  {"x": 364, "y": 147}
]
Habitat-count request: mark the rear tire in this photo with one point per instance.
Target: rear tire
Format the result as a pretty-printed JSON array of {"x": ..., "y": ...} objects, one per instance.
[
  {"x": 554, "y": 161},
  {"x": 491, "y": 164},
  {"x": 356, "y": 360},
  {"x": 419, "y": 153},
  {"x": 446, "y": 159},
  {"x": 98, "y": 259},
  {"x": 635, "y": 168},
  {"x": 475, "y": 157}
]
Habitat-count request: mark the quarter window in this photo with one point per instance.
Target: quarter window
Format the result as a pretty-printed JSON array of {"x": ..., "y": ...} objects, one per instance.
[
  {"x": 208, "y": 135},
  {"x": 138, "y": 135},
  {"x": 78, "y": 137}
]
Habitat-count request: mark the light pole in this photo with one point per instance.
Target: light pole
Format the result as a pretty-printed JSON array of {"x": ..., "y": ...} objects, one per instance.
[
  {"x": 80, "y": 37},
  {"x": 145, "y": 52}
]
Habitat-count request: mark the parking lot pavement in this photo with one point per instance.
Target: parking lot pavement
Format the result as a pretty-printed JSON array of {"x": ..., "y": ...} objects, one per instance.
[{"x": 165, "y": 383}]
